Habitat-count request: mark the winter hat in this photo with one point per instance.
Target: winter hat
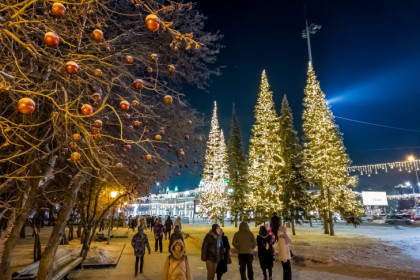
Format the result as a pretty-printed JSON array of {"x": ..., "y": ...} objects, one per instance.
[
  {"x": 284, "y": 235},
  {"x": 263, "y": 231},
  {"x": 214, "y": 227}
]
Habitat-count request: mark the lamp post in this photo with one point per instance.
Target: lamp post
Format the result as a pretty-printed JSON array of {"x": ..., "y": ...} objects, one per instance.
[
  {"x": 113, "y": 195},
  {"x": 412, "y": 159}
]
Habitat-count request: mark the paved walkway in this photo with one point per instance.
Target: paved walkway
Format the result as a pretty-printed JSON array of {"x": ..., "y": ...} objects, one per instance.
[{"x": 153, "y": 265}]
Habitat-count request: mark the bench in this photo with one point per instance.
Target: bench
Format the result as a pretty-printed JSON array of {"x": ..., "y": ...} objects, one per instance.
[
  {"x": 103, "y": 235},
  {"x": 61, "y": 267}
]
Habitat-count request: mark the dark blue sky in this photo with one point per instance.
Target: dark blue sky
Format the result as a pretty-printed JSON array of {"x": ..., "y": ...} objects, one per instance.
[{"x": 366, "y": 57}]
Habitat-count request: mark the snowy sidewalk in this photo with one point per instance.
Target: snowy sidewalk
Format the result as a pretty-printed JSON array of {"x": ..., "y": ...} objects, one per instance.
[{"x": 153, "y": 265}]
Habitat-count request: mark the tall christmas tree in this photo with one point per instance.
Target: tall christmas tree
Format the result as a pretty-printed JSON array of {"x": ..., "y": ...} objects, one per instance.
[
  {"x": 214, "y": 199},
  {"x": 264, "y": 156},
  {"x": 325, "y": 158},
  {"x": 292, "y": 194},
  {"x": 237, "y": 170}
]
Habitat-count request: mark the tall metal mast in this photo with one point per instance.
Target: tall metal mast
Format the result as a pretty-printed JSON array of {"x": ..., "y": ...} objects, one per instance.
[{"x": 312, "y": 29}]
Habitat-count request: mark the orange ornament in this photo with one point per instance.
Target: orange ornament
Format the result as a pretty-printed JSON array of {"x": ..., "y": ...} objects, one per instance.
[
  {"x": 72, "y": 145},
  {"x": 162, "y": 132},
  {"x": 137, "y": 123},
  {"x": 154, "y": 57},
  {"x": 129, "y": 59},
  {"x": 124, "y": 105},
  {"x": 58, "y": 9},
  {"x": 149, "y": 70},
  {"x": 77, "y": 137},
  {"x": 189, "y": 122},
  {"x": 158, "y": 137},
  {"x": 75, "y": 156},
  {"x": 152, "y": 22},
  {"x": 148, "y": 157},
  {"x": 97, "y": 73},
  {"x": 97, "y": 97},
  {"x": 135, "y": 103},
  {"x": 51, "y": 39},
  {"x": 167, "y": 99},
  {"x": 86, "y": 110},
  {"x": 171, "y": 68},
  {"x": 26, "y": 105},
  {"x": 118, "y": 166},
  {"x": 187, "y": 137},
  {"x": 199, "y": 139},
  {"x": 72, "y": 67},
  {"x": 97, "y": 35},
  {"x": 138, "y": 83},
  {"x": 97, "y": 123}
]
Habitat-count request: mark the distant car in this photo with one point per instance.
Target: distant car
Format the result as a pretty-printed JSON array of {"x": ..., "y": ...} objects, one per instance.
[
  {"x": 400, "y": 219},
  {"x": 366, "y": 218}
]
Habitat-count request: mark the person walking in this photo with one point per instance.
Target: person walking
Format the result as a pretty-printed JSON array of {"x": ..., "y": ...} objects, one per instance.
[
  {"x": 168, "y": 227},
  {"x": 265, "y": 252},
  {"x": 139, "y": 243},
  {"x": 134, "y": 223},
  {"x": 176, "y": 235},
  {"x": 244, "y": 242},
  {"x": 222, "y": 265},
  {"x": 152, "y": 223},
  {"x": 275, "y": 224},
  {"x": 158, "y": 232},
  {"x": 178, "y": 222},
  {"x": 284, "y": 252},
  {"x": 177, "y": 266},
  {"x": 212, "y": 251}
]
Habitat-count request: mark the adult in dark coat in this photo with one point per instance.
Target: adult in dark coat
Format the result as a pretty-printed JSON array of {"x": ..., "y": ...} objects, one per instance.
[
  {"x": 275, "y": 224},
  {"x": 244, "y": 242},
  {"x": 211, "y": 251},
  {"x": 134, "y": 223},
  {"x": 222, "y": 265},
  {"x": 140, "y": 242},
  {"x": 158, "y": 231},
  {"x": 265, "y": 252},
  {"x": 168, "y": 227},
  {"x": 176, "y": 235}
]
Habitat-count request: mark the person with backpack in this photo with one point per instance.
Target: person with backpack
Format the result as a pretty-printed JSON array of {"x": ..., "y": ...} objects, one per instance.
[
  {"x": 139, "y": 243},
  {"x": 265, "y": 252},
  {"x": 176, "y": 235},
  {"x": 212, "y": 251},
  {"x": 177, "y": 266}
]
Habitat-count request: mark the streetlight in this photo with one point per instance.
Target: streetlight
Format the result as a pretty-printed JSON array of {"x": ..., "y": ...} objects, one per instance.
[
  {"x": 412, "y": 159},
  {"x": 113, "y": 195}
]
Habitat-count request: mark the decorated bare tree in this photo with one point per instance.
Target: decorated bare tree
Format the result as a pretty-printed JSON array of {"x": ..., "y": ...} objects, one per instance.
[{"x": 89, "y": 86}]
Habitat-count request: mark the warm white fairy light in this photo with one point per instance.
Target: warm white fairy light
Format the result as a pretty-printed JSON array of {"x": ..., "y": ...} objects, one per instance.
[{"x": 407, "y": 166}]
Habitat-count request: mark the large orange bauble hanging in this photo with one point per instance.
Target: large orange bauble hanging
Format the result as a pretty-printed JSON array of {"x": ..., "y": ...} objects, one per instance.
[
  {"x": 75, "y": 156},
  {"x": 124, "y": 105},
  {"x": 97, "y": 123},
  {"x": 148, "y": 157},
  {"x": 171, "y": 68},
  {"x": 154, "y": 57},
  {"x": 118, "y": 166},
  {"x": 129, "y": 59},
  {"x": 51, "y": 39},
  {"x": 97, "y": 35},
  {"x": 158, "y": 137},
  {"x": 152, "y": 22},
  {"x": 58, "y": 9},
  {"x": 135, "y": 103},
  {"x": 72, "y": 67},
  {"x": 138, "y": 83},
  {"x": 97, "y": 73},
  {"x": 77, "y": 137},
  {"x": 97, "y": 96},
  {"x": 26, "y": 105},
  {"x": 86, "y": 109},
  {"x": 167, "y": 99}
]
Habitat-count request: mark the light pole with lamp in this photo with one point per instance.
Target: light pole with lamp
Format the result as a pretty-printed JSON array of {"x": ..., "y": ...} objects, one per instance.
[
  {"x": 412, "y": 159},
  {"x": 113, "y": 195}
]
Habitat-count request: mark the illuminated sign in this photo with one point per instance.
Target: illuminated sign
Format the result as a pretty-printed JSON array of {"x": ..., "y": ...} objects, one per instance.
[{"x": 375, "y": 198}]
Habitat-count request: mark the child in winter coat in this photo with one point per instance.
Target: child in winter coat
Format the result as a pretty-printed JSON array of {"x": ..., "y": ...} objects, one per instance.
[
  {"x": 139, "y": 243},
  {"x": 177, "y": 266}
]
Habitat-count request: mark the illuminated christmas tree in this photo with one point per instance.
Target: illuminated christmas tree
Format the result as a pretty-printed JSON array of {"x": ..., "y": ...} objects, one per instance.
[
  {"x": 264, "y": 156},
  {"x": 214, "y": 198},
  {"x": 325, "y": 158},
  {"x": 237, "y": 170},
  {"x": 293, "y": 193}
]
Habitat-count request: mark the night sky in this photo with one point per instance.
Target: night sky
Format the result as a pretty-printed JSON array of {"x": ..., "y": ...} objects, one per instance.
[{"x": 366, "y": 57}]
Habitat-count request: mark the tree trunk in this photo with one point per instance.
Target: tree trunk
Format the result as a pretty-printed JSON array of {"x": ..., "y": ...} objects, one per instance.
[
  {"x": 236, "y": 220},
  {"x": 22, "y": 231},
  {"x": 37, "y": 245},
  {"x": 325, "y": 221},
  {"x": 79, "y": 229},
  {"x": 331, "y": 223},
  {"x": 45, "y": 271},
  {"x": 293, "y": 227},
  {"x": 215, "y": 219}
]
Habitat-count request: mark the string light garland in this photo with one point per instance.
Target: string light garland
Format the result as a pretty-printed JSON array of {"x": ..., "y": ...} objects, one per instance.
[{"x": 370, "y": 169}]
